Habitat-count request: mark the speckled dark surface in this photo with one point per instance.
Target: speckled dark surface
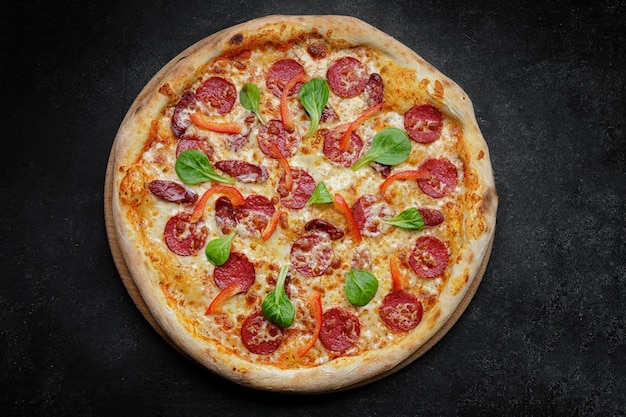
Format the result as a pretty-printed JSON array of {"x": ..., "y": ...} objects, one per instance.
[{"x": 545, "y": 332}]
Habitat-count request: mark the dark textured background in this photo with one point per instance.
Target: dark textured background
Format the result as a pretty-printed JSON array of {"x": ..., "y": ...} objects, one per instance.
[{"x": 544, "y": 334}]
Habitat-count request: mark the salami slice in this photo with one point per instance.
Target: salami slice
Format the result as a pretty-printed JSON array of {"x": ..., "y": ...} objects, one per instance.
[
  {"x": 172, "y": 191},
  {"x": 432, "y": 217},
  {"x": 199, "y": 144},
  {"x": 329, "y": 114},
  {"x": 428, "y": 257},
  {"x": 312, "y": 254},
  {"x": 279, "y": 75},
  {"x": 237, "y": 268},
  {"x": 180, "y": 118},
  {"x": 361, "y": 259},
  {"x": 225, "y": 216},
  {"x": 242, "y": 170},
  {"x": 340, "y": 329},
  {"x": 347, "y": 77},
  {"x": 260, "y": 335},
  {"x": 274, "y": 132},
  {"x": 384, "y": 170},
  {"x": 185, "y": 238},
  {"x": 324, "y": 226},
  {"x": 368, "y": 211},
  {"x": 401, "y": 311},
  {"x": 219, "y": 93},
  {"x": 337, "y": 156},
  {"x": 442, "y": 179},
  {"x": 255, "y": 213},
  {"x": 423, "y": 123},
  {"x": 237, "y": 141},
  {"x": 303, "y": 187},
  {"x": 374, "y": 90}
]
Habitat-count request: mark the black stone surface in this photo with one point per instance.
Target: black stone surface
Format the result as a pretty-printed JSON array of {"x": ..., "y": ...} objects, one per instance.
[{"x": 544, "y": 335}]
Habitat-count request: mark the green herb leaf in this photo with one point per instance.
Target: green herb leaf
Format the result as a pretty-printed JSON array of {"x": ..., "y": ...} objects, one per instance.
[
  {"x": 218, "y": 250},
  {"x": 320, "y": 195},
  {"x": 250, "y": 98},
  {"x": 193, "y": 167},
  {"x": 410, "y": 218},
  {"x": 276, "y": 306},
  {"x": 361, "y": 287},
  {"x": 390, "y": 146},
  {"x": 314, "y": 96}
]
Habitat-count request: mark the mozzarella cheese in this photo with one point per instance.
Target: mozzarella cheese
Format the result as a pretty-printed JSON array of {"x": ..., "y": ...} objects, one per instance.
[{"x": 187, "y": 281}]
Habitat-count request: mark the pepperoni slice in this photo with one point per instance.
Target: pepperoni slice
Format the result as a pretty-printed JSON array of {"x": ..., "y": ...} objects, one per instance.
[
  {"x": 185, "y": 238},
  {"x": 260, "y": 335},
  {"x": 432, "y": 217},
  {"x": 172, "y": 191},
  {"x": 274, "y": 132},
  {"x": 428, "y": 257},
  {"x": 401, "y": 311},
  {"x": 337, "y": 156},
  {"x": 237, "y": 268},
  {"x": 312, "y": 254},
  {"x": 382, "y": 169},
  {"x": 242, "y": 170},
  {"x": 255, "y": 213},
  {"x": 199, "y": 144},
  {"x": 340, "y": 329},
  {"x": 442, "y": 179},
  {"x": 237, "y": 141},
  {"x": 225, "y": 216},
  {"x": 219, "y": 93},
  {"x": 180, "y": 118},
  {"x": 303, "y": 187},
  {"x": 279, "y": 75},
  {"x": 374, "y": 89},
  {"x": 329, "y": 114},
  {"x": 323, "y": 226},
  {"x": 423, "y": 123},
  {"x": 347, "y": 77},
  {"x": 361, "y": 259},
  {"x": 368, "y": 211}
]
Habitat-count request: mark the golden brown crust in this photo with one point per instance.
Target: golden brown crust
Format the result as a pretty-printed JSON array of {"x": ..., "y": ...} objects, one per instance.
[{"x": 341, "y": 372}]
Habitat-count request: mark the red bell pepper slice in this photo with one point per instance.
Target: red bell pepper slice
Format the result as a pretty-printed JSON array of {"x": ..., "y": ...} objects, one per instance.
[
  {"x": 271, "y": 226},
  {"x": 342, "y": 207},
  {"x": 404, "y": 175},
  {"x": 231, "y": 192},
  {"x": 203, "y": 121},
  {"x": 315, "y": 303},
  {"x": 277, "y": 154},
  {"x": 225, "y": 294},
  {"x": 284, "y": 109},
  {"x": 344, "y": 142},
  {"x": 400, "y": 281}
]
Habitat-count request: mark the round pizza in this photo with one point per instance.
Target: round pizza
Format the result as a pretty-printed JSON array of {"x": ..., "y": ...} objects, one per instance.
[{"x": 302, "y": 202}]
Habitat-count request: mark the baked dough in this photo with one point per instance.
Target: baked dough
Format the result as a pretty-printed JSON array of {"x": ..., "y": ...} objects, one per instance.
[{"x": 177, "y": 289}]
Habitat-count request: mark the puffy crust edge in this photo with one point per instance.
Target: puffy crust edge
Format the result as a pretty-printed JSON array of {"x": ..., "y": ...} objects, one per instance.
[{"x": 340, "y": 373}]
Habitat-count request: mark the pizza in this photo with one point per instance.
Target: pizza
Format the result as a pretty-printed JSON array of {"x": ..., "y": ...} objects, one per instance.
[{"x": 303, "y": 203}]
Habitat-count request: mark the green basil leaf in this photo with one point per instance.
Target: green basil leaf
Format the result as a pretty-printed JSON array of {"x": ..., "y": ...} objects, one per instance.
[
  {"x": 314, "y": 96},
  {"x": 390, "y": 146},
  {"x": 410, "y": 218},
  {"x": 218, "y": 250},
  {"x": 250, "y": 98},
  {"x": 276, "y": 306},
  {"x": 320, "y": 195},
  {"x": 194, "y": 167},
  {"x": 361, "y": 287}
]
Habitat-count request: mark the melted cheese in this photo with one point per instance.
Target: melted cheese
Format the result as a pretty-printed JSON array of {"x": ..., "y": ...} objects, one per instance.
[{"x": 188, "y": 280}]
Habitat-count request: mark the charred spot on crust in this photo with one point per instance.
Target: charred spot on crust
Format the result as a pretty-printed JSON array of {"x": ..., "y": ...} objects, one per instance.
[
  {"x": 490, "y": 199},
  {"x": 236, "y": 39}
]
